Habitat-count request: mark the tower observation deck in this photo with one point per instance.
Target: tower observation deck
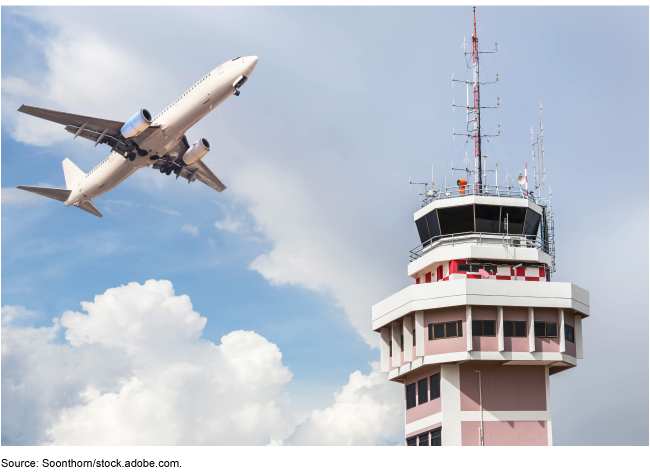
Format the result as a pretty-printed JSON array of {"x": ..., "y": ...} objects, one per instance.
[{"x": 476, "y": 337}]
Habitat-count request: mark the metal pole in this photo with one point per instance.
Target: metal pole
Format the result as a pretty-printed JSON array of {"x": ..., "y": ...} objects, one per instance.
[{"x": 480, "y": 401}]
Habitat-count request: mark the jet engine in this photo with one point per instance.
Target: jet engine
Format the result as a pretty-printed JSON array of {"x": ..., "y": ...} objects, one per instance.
[
  {"x": 196, "y": 151},
  {"x": 137, "y": 124}
]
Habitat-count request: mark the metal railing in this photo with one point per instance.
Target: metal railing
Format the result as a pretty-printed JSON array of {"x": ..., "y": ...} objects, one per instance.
[
  {"x": 480, "y": 238},
  {"x": 480, "y": 190}
]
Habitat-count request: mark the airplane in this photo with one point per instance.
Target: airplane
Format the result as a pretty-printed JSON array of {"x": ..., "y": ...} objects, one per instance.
[{"x": 143, "y": 141}]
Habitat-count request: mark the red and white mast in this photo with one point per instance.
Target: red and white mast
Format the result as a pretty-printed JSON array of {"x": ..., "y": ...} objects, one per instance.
[{"x": 477, "y": 106}]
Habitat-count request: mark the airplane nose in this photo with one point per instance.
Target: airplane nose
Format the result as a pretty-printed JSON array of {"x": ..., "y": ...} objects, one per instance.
[{"x": 250, "y": 62}]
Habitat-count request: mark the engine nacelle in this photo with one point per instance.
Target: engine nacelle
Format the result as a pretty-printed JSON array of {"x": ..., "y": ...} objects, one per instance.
[
  {"x": 137, "y": 124},
  {"x": 196, "y": 151}
]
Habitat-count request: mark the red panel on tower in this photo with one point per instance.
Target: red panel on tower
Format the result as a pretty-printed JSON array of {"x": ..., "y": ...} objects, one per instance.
[{"x": 428, "y": 277}]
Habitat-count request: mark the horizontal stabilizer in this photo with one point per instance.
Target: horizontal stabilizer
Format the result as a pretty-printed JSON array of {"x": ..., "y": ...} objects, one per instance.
[
  {"x": 90, "y": 208},
  {"x": 56, "y": 194}
]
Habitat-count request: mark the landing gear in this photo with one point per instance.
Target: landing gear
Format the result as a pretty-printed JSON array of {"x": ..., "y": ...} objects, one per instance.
[
  {"x": 168, "y": 171},
  {"x": 236, "y": 93},
  {"x": 163, "y": 169},
  {"x": 131, "y": 156}
]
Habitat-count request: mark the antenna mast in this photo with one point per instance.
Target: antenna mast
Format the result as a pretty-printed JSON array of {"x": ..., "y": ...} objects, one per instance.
[{"x": 477, "y": 110}]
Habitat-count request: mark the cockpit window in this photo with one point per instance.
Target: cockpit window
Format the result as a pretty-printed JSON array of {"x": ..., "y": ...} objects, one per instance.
[{"x": 238, "y": 57}]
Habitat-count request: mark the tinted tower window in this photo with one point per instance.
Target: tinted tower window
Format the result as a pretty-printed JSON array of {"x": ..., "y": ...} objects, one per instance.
[
  {"x": 434, "y": 382},
  {"x": 423, "y": 395},
  {"x": 432, "y": 220},
  {"x": 410, "y": 396},
  {"x": 516, "y": 218},
  {"x": 456, "y": 219},
  {"x": 532, "y": 222},
  {"x": 487, "y": 218},
  {"x": 423, "y": 229}
]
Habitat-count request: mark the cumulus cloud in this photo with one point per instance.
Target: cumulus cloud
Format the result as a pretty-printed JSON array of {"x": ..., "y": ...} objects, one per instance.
[
  {"x": 135, "y": 371},
  {"x": 308, "y": 250},
  {"x": 190, "y": 229},
  {"x": 367, "y": 411},
  {"x": 15, "y": 312}
]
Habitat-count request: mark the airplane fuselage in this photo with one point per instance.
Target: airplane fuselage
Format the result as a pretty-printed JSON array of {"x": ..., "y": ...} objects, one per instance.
[{"x": 169, "y": 128}]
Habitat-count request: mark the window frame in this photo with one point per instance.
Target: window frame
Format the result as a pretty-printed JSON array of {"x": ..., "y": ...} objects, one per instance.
[
  {"x": 482, "y": 321},
  {"x": 573, "y": 333},
  {"x": 514, "y": 331},
  {"x": 414, "y": 438},
  {"x": 432, "y": 384},
  {"x": 425, "y": 390},
  {"x": 435, "y": 434},
  {"x": 546, "y": 329},
  {"x": 459, "y": 329},
  {"x": 406, "y": 393}
]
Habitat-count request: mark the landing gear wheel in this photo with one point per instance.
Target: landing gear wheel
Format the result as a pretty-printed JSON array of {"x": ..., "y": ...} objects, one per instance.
[
  {"x": 168, "y": 171},
  {"x": 131, "y": 156},
  {"x": 237, "y": 93},
  {"x": 163, "y": 169}
]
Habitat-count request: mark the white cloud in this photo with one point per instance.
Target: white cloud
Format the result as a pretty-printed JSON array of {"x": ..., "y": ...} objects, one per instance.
[
  {"x": 367, "y": 411},
  {"x": 15, "y": 312},
  {"x": 135, "y": 371},
  {"x": 309, "y": 249},
  {"x": 167, "y": 211},
  {"x": 229, "y": 224},
  {"x": 190, "y": 229},
  {"x": 80, "y": 76}
]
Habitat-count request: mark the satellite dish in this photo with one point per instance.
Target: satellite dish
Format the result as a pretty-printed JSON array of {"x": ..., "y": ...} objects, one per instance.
[{"x": 521, "y": 179}]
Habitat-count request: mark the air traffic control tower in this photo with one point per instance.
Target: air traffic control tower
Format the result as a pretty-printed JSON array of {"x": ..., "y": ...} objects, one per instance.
[{"x": 477, "y": 335}]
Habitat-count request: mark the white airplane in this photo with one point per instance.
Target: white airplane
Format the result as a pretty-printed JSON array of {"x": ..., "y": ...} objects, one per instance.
[{"x": 143, "y": 141}]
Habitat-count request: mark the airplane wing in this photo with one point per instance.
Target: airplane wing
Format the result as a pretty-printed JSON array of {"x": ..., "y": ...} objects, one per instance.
[
  {"x": 93, "y": 128},
  {"x": 196, "y": 171}
]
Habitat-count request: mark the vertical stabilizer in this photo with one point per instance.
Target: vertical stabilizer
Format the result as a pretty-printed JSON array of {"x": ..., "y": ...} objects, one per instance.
[{"x": 72, "y": 173}]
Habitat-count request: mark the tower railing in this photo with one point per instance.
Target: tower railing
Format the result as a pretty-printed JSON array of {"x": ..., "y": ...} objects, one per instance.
[
  {"x": 480, "y": 238},
  {"x": 480, "y": 190}
]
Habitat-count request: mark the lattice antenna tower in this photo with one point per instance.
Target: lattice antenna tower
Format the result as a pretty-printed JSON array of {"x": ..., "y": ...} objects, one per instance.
[
  {"x": 474, "y": 111},
  {"x": 538, "y": 155}
]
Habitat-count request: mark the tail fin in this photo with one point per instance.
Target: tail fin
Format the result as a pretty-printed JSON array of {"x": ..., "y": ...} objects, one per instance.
[{"x": 72, "y": 173}]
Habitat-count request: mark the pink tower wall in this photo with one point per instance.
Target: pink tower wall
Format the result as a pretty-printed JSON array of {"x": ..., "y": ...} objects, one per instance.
[
  {"x": 514, "y": 433},
  {"x": 504, "y": 388}
]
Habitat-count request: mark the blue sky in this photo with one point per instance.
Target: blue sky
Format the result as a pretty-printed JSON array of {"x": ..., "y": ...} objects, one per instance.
[{"x": 344, "y": 105}]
